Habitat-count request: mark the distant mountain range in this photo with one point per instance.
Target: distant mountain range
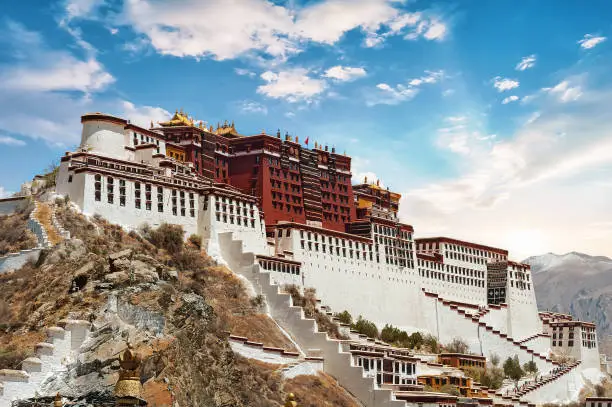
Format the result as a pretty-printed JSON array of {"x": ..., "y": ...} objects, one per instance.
[{"x": 576, "y": 284}]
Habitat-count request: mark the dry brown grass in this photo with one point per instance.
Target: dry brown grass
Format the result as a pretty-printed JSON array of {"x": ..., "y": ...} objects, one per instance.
[
  {"x": 319, "y": 391},
  {"x": 14, "y": 233}
]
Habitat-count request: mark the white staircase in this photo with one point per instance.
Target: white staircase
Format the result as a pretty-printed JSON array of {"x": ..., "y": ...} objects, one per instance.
[
  {"x": 52, "y": 357},
  {"x": 303, "y": 330}
]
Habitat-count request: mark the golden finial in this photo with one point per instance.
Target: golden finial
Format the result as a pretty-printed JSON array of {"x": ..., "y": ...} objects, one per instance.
[
  {"x": 58, "y": 401},
  {"x": 316, "y": 145},
  {"x": 297, "y": 139},
  {"x": 377, "y": 182},
  {"x": 225, "y": 124},
  {"x": 211, "y": 128},
  {"x": 233, "y": 126},
  {"x": 175, "y": 111},
  {"x": 290, "y": 400},
  {"x": 182, "y": 111},
  {"x": 263, "y": 131},
  {"x": 365, "y": 179},
  {"x": 128, "y": 387}
]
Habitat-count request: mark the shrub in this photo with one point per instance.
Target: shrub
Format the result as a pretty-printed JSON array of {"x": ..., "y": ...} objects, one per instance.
[
  {"x": 431, "y": 343},
  {"x": 450, "y": 389},
  {"x": 345, "y": 317},
  {"x": 492, "y": 378},
  {"x": 530, "y": 367},
  {"x": 195, "y": 240},
  {"x": 365, "y": 327},
  {"x": 494, "y": 358},
  {"x": 168, "y": 237},
  {"x": 457, "y": 345}
]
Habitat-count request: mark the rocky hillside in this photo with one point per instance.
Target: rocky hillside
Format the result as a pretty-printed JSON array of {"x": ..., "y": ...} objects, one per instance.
[
  {"x": 577, "y": 284},
  {"x": 173, "y": 303}
]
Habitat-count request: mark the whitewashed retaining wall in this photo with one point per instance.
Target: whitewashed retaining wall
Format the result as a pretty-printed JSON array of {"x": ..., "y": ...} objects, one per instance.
[{"x": 302, "y": 330}]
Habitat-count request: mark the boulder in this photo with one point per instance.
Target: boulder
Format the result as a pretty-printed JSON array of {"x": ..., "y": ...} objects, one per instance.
[
  {"x": 117, "y": 277},
  {"x": 119, "y": 255},
  {"x": 121, "y": 264},
  {"x": 169, "y": 275}
]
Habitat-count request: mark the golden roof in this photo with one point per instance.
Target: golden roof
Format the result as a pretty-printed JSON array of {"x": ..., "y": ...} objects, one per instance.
[
  {"x": 179, "y": 119},
  {"x": 227, "y": 129}
]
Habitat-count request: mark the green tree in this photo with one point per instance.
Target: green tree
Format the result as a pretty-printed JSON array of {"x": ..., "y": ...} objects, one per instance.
[
  {"x": 457, "y": 345},
  {"x": 493, "y": 378},
  {"x": 365, "y": 327},
  {"x": 431, "y": 343},
  {"x": 530, "y": 367},
  {"x": 345, "y": 317},
  {"x": 415, "y": 340},
  {"x": 494, "y": 358},
  {"x": 512, "y": 369}
]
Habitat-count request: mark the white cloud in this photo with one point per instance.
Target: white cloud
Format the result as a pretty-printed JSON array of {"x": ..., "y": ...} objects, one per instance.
[
  {"x": 510, "y": 99},
  {"x": 504, "y": 84},
  {"x": 448, "y": 92},
  {"x": 293, "y": 85},
  {"x": 245, "y": 72},
  {"x": 143, "y": 115},
  {"x": 41, "y": 69},
  {"x": 393, "y": 95},
  {"x": 11, "y": 141},
  {"x": 60, "y": 72},
  {"x": 521, "y": 186},
  {"x": 45, "y": 91},
  {"x": 526, "y": 63},
  {"x": 4, "y": 193},
  {"x": 565, "y": 92},
  {"x": 344, "y": 73},
  {"x": 266, "y": 28},
  {"x": 81, "y": 8},
  {"x": 460, "y": 136},
  {"x": 253, "y": 107},
  {"x": 590, "y": 41},
  {"x": 436, "y": 30}
]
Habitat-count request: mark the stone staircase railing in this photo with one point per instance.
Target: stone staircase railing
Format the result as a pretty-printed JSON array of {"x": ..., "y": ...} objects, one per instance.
[
  {"x": 521, "y": 349},
  {"x": 51, "y": 357},
  {"x": 37, "y": 228},
  {"x": 560, "y": 372},
  {"x": 304, "y": 331},
  {"x": 58, "y": 226}
]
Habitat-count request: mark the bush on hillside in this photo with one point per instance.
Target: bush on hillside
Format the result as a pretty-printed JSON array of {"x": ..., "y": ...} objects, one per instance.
[
  {"x": 196, "y": 241},
  {"x": 345, "y": 317},
  {"x": 457, "y": 345},
  {"x": 365, "y": 327},
  {"x": 491, "y": 378},
  {"x": 166, "y": 236},
  {"x": 14, "y": 232}
]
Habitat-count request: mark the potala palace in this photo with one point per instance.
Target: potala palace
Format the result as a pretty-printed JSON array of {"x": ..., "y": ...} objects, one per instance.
[{"x": 278, "y": 212}]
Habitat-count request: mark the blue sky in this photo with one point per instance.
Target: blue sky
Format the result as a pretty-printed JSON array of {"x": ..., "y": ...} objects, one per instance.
[{"x": 490, "y": 117}]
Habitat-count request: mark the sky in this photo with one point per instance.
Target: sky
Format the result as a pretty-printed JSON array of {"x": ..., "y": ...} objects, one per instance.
[{"x": 491, "y": 118}]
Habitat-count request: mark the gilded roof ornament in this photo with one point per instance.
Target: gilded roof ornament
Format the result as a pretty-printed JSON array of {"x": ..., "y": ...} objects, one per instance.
[
  {"x": 290, "y": 400},
  {"x": 128, "y": 387},
  {"x": 58, "y": 401}
]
